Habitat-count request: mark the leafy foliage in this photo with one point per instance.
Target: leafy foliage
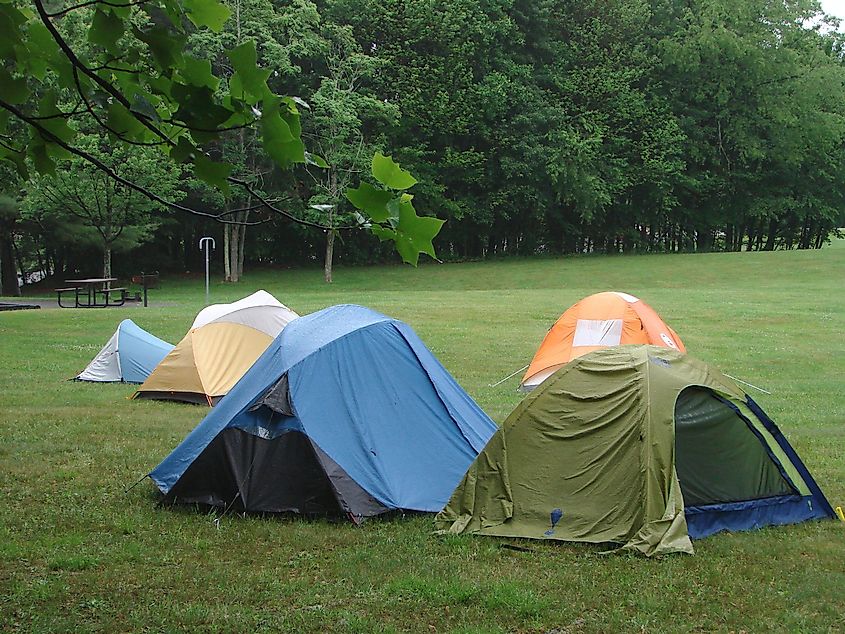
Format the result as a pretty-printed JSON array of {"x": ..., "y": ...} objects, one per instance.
[
  {"x": 128, "y": 71},
  {"x": 595, "y": 126}
]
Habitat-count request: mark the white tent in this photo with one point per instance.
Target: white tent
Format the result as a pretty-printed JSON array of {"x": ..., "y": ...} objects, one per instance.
[{"x": 129, "y": 356}]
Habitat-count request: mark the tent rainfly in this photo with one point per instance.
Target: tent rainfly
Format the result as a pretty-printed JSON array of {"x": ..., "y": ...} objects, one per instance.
[
  {"x": 640, "y": 446},
  {"x": 129, "y": 356},
  {"x": 347, "y": 413},
  {"x": 224, "y": 341},
  {"x": 598, "y": 321}
]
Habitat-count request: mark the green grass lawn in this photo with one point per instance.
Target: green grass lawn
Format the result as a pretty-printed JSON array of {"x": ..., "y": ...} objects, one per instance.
[{"x": 77, "y": 553}]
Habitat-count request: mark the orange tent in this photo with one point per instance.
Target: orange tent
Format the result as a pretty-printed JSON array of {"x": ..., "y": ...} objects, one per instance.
[{"x": 598, "y": 321}]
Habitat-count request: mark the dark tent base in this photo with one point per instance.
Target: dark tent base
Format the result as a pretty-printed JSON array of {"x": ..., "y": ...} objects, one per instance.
[
  {"x": 8, "y": 306},
  {"x": 242, "y": 472},
  {"x": 742, "y": 516},
  {"x": 182, "y": 397}
]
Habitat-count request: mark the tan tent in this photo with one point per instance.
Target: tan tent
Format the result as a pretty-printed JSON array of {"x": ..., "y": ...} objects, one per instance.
[{"x": 223, "y": 343}]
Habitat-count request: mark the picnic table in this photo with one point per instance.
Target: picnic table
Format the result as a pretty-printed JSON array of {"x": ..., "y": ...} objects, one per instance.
[{"x": 86, "y": 293}]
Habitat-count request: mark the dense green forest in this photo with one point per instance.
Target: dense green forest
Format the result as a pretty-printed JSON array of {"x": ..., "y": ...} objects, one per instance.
[{"x": 532, "y": 126}]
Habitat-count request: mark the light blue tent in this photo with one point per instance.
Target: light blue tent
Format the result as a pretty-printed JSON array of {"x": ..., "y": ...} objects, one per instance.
[
  {"x": 129, "y": 356},
  {"x": 347, "y": 412}
]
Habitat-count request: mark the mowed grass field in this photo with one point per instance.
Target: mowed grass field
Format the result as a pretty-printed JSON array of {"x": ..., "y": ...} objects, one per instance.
[{"x": 78, "y": 553}]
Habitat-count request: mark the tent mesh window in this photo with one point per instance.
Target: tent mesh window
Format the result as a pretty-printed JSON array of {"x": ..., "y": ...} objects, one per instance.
[{"x": 719, "y": 458}]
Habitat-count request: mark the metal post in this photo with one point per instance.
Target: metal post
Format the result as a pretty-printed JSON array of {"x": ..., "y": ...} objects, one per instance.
[{"x": 207, "y": 242}]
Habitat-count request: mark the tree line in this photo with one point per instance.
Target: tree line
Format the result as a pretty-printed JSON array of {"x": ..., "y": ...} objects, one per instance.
[{"x": 533, "y": 127}]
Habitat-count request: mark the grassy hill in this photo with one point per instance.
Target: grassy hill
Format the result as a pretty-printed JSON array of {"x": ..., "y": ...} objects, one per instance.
[{"x": 78, "y": 553}]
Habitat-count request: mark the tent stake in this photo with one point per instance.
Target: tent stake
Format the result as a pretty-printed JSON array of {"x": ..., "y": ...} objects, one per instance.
[
  {"x": 747, "y": 383},
  {"x": 507, "y": 377}
]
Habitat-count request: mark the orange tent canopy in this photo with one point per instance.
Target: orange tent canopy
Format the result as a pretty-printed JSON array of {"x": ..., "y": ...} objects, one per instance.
[{"x": 598, "y": 321}]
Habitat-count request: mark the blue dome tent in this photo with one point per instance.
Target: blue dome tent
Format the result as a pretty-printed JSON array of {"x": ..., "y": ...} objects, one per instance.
[
  {"x": 129, "y": 356},
  {"x": 347, "y": 412}
]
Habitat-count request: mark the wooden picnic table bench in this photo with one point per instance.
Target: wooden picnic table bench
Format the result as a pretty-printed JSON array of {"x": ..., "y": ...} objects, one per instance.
[
  {"x": 86, "y": 291},
  {"x": 72, "y": 289},
  {"x": 107, "y": 295}
]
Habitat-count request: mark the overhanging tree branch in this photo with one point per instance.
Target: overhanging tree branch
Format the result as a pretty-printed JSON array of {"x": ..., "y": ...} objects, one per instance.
[
  {"x": 166, "y": 97},
  {"x": 81, "y": 5},
  {"x": 90, "y": 109},
  {"x": 221, "y": 217},
  {"x": 102, "y": 83},
  {"x": 116, "y": 94}
]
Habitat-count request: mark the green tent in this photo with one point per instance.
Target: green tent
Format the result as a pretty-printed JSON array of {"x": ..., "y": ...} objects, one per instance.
[{"x": 640, "y": 446}]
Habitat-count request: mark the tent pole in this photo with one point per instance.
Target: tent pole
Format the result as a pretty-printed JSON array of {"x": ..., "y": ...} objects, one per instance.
[
  {"x": 747, "y": 383},
  {"x": 240, "y": 491},
  {"x": 507, "y": 377}
]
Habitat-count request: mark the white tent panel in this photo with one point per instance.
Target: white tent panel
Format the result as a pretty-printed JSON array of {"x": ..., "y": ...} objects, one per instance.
[
  {"x": 597, "y": 332},
  {"x": 106, "y": 365},
  {"x": 260, "y": 310},
  {"x": 628, "y": 298},
  {"x": 538, "y": 378}
]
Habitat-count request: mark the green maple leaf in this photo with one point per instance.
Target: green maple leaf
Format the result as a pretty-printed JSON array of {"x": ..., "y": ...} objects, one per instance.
[
  {"x": 387, "y": 172},
  {"x": 210, "y": 13},
  {"x": 197, "y": 72},
  {"x": 183, "y": 151},
  {"x": 106, "y": 29},
  {"x": 10, "y": 35},
  {"x": 123, "y": 122},
  {"x": 249, "y": 81},
  {"x": 165, "y": 45},
  {"x": 213, "y": 173},
  {"x": 413, "y": 233},
  {"x": 371, "y": 200},
  {"x": 13, "y": 91}
]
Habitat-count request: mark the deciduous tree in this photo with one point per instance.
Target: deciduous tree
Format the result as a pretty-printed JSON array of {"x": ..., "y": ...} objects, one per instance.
[{"x": 97, "y": 208}]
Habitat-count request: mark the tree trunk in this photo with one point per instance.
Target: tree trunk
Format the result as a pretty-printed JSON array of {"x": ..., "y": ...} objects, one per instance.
[
  {"x": 22, "y": 268},
  {"x": 107, "y": 260},
  {"x": 241, "y": 243},
  {"x": 739, "y": 235},
  {"x": 227, "y": 266},
  {"x": 327, "y": 267},
  {"x": 232, "y": 253},
  {"x": 772, "y": 235},
  {"x": 807, "y": 232},
  {"x": 241, "y": 240},
  {"x": 8, "y": 270}
]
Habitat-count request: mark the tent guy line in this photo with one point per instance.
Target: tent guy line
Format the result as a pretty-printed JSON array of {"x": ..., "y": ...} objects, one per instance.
[
  {"x": 512, "y": 374},
  {"x": 747, "y": 383}
]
